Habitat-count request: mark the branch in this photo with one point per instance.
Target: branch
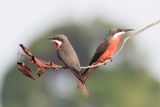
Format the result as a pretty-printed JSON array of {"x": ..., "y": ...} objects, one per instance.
[
  {"x": 124, "y": 42},
  {"x": 43, "y": 65},
  {"x": 96, "y": 65}
]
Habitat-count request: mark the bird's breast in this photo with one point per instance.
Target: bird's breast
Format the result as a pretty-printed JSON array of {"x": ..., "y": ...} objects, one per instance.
[{"x": 114, "y": 42}]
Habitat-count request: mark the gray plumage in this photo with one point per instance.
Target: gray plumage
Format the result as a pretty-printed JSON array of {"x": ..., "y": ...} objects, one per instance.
[{"x": 68, "y": 56}]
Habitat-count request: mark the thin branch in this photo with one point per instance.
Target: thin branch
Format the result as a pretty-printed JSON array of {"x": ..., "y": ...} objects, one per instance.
[
  {"x": 123, "y": 44},
  {"x": 43, "y": 65},
  {"x": 146, "y": 27},
  {"x": 96, "y": 65}
]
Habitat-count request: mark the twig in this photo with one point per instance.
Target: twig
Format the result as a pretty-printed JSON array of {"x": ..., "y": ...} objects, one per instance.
[
  {"x": 96, "y": 65},
  {"x": 43, "y": 65},
  {"x": 124, "y": 42}
]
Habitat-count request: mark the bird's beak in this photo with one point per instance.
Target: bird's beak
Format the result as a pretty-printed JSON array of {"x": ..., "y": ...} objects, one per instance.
[{"x": 126, "y": 30}]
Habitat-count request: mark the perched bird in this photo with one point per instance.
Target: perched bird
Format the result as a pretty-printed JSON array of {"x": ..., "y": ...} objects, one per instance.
[
  {"x": 25, "y": 70},
  {"x": 68, "y": 56},
  {"x": 106, "y": 48}
]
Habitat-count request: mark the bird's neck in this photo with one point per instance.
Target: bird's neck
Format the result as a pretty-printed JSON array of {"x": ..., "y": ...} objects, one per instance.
[{"x": 118, "y": 35}]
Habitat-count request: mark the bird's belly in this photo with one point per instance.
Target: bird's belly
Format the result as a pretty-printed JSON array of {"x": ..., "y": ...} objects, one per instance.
[{"x": 110, "y": 50}]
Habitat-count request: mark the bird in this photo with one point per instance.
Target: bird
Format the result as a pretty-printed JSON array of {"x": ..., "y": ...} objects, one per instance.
[
  {"x": 68, "y": 56},
  {"x": 106, "y": 48},
  {"x": 25, "y": 70}
]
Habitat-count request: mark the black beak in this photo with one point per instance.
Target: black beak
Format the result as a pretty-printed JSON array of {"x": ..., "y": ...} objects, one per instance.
[{"x": 126, "y": 30}]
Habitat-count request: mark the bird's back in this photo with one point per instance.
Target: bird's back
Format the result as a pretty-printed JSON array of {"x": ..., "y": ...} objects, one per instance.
[{"x": 68, "y": 55}]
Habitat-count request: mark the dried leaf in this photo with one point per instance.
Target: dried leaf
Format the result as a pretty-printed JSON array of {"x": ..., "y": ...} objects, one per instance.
[
  {"x": 40, "y": 72},
  {"x": 25, "y": 70}
]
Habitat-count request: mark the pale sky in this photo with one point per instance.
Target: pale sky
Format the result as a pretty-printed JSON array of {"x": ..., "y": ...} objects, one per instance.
[{"x": 21, "y": 20}]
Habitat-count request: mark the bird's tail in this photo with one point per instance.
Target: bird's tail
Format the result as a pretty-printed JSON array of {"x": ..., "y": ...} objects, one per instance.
[
  {"x": 86, "y": 73},
  {"x": 81, "y": 85}
]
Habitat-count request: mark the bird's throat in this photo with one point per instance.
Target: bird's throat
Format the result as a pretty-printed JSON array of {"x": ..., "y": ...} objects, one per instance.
[
  {"x": 57, "y": 43},
  {"x": 118, "y": 35}
]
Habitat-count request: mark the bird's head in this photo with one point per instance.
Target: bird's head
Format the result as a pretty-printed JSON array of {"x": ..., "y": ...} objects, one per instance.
[
  {"x": 58, "y": 40},
  {"x": 116, "y": 32}
]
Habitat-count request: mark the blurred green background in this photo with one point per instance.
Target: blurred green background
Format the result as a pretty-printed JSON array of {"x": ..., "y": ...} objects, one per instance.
[{"x": 124, "y": 82}]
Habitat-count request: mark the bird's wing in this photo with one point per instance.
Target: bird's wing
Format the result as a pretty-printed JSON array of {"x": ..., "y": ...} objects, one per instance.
[
  {"x": 69, "y": 60},
  {"x": 99, "y": 51}
]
